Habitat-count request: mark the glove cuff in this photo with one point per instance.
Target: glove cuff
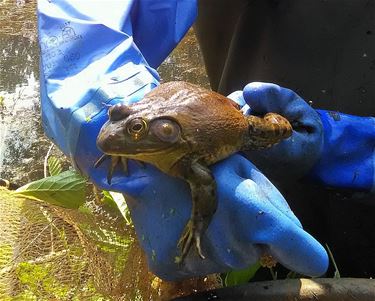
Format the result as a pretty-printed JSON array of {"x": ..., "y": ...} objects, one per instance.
[{"x": 347, "y": 158}]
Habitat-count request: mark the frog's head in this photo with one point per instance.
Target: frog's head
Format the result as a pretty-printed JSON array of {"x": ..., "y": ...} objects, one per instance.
[{"x": 130, "y": 133}]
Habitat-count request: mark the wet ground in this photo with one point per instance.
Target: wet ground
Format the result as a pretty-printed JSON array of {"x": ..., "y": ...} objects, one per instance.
[{"x": 23, "y": 145}]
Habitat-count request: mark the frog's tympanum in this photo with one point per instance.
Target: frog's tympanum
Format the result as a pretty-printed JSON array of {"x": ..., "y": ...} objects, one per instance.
[{"x": 181, "y": 129}]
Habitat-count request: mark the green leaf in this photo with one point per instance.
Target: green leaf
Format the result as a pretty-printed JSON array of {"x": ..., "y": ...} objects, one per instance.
[
  {"x": 54, "y": 166},
  {"x": 108, "y": 200},
  {"x": 241, "y": 276},
  {"x": 117, "y": 200},
  {"x": 65, "y": 190}
]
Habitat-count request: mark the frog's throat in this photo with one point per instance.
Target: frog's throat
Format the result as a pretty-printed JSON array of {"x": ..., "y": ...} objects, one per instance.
[{"x": 164, "y": 159}]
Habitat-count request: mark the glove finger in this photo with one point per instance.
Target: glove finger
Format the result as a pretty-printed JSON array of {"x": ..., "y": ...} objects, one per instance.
[
  {"x": 283, "y": 239},
  {"x": 237, "y": 96},
  {"x": 297, "y": 250},
  {"x": 267, "y": 97}
]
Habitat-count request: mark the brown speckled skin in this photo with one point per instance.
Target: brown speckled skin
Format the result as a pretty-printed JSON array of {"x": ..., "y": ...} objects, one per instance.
[
  {"x": 211, "y": 128},
  {"x": 202, "y": 115}
]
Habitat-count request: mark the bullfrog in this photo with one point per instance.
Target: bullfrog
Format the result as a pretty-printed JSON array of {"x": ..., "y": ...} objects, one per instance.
[{"x": 182, "y": 129}]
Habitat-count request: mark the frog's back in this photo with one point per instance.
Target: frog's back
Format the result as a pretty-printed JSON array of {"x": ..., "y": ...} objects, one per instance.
[
  {"x": 181, "y": 96},
  {"x": 208, "y": 120}
]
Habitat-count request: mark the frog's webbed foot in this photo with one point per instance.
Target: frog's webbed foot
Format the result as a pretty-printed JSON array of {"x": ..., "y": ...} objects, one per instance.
[
  {"x": 115, "y": 160},
  {"x": 191, "y": 234},
  {"x": 203, "y": 191}
]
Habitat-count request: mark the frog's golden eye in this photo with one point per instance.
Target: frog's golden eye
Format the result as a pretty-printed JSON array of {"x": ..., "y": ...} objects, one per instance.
[
  {"x": 166, "y": 130},
  {"x": 118, "y": 112},
  {"x": 136, "y": 127}
]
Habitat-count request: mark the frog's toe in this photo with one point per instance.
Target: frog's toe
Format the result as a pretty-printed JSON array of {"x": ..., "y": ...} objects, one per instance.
[
  {"x": 197, "y": 238},
  {"x": 124, "y": 162},
  {"x": 114, "y": 161},
  {"x": 186, "y": 240},
  {"x": 190, "y": 235},
  {"x": 101, "y": 160}
]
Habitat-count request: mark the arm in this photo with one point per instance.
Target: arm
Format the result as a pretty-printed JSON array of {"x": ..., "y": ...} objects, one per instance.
[{"x": 334, "y": 149}]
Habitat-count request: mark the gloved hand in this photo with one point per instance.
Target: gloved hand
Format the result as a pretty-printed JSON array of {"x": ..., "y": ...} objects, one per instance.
[
  {"x": 297, "y": 154},
  {"x": 332, "y": 148},
  {"x": 252, "y": 219},
  {"x": 89, "y": 60}
]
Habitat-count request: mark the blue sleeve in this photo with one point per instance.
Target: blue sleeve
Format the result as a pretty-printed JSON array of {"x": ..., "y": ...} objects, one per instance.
[
  {"x": 90, "y": 57},
  {"x": 169, "y": 18},
  {"x": 348, "y": 155}
]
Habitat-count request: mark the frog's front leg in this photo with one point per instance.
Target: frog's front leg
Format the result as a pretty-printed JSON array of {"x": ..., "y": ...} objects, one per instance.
[
  {"x": 115, "y": 160},
  {"x": 203, "y": 192}
]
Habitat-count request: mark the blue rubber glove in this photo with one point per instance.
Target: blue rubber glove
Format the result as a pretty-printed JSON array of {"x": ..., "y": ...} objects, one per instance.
[
  {"x": 252, "y": 219},
  {"x": 89, "y": 61},
  {"x": 332, "y": 148}
]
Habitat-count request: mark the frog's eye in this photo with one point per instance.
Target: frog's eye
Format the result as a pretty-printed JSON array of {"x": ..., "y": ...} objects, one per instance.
[
  {"x": 166, "y": 130},
  {"x": 118, "y": 112},
  {"x": 136, "y": 127}
]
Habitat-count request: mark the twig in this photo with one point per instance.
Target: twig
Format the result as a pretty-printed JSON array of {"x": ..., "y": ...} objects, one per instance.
[
  {"x": 337, "y": 272},
  {"x": 46, "y": 160},
  {"x": 42, "y": 259}
]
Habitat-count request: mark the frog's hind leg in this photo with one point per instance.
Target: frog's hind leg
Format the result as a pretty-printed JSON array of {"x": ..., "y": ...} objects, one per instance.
[
  {"x": 203, "y": 191},
  {"x": 266, "y": 131}
]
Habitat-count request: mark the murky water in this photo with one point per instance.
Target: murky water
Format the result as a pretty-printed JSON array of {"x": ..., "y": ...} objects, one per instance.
[{"x": 23, "y": 145}]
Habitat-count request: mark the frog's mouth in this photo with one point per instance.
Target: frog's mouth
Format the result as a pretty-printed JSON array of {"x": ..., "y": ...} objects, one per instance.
[
  {"x": 117, "y": 145},
  {"x": 140, "y": 152}
]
